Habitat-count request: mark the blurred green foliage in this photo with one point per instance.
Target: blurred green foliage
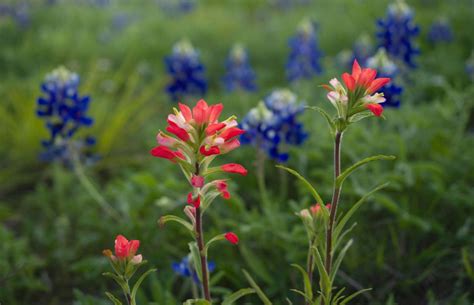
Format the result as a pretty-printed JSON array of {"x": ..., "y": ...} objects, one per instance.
[{"x": 414, "y": 241}]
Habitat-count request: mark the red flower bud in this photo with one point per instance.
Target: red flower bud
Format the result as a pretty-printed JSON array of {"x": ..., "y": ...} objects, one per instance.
[
  {"x": 195, "y": 202},
  {"x": 232, "y": 238},
  {"x": 197, "y": 181},
  {"x": 124, "y": 248}
]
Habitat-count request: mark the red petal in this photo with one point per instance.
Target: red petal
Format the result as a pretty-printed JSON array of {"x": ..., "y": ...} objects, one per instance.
[
  {"x": 234, "y": 168},
  {"x": 231, "y": 132},
  {"x": 200, "y": 114},
  {"x": 179, "y": 132},
  {"x": 213, "y": 128},
  {"x": 215, "y": 112},
  {"x": 162, "y": 152},
  {"x": 377, "y": 84},
  {"x": 185, "y": 111},
  {"x": 213, "y": 150},
  {"x": 349, "y": 81},
  {"x": 355, "y": 70},
  {"x": 376, "y": 109}
]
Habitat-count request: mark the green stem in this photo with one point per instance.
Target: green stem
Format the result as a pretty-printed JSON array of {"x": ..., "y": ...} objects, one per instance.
[
  {"x": 260, "y": 172},
  {"x": 87, "y": 184},
  {"x": 127, "y": 294},
  {"x": 310, "y": 264},
  {"x": 334, "y": 201}
]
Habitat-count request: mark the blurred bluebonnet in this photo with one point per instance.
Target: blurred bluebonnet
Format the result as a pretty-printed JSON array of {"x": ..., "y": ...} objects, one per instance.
[
  {"x": 397, "y": 31},
  {"x": 387, "y": 68},
  {"x": 186, "y": 72},
  {"x": 470, "y": 66},
  {"x": 287, "y": 4},
  {"x": 362, "y": 49},
  {"x": 185, "y": 268},
  {"x": 303, "y": 60},
  {"x": 19, "y": 12},
  {"x": 239, "y": 73},
  {"x": 440, "y": 31},
  {"x": 65, "y": 112},
  {"x": 174, "y": 7},
  {"x": 272, "y": 126}
]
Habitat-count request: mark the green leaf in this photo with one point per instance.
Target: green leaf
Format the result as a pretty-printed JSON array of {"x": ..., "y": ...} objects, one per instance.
[
  {"x": 139, "y": 282},
  {"x": 193, "y": 248},
  {"x": 353, "y": 209},
  {"x": 338, "y": 261},
  {"x": 113, "y": 298},
  {"x": 214, "y": 239},
  {"x": 307, "y": 283},
  {"x": 237, "y": 295},
  {"x": 301, "y": 293},
  {"x": 467, "y": 262},
  {"x": 305, "y": 182},
  {"x": 341, "y": 238},
  {"x": 347, "y": 299},
  {"x": 324, "y": 277},
  {"x": 326, "y": 116},
  {"x": 351, "y": 169},
  {"x": 117, "y": 279},
  {"x": 338, "y": 296},
  {"x": 167, "y": 218},
  {"x": 197, "y": 302},
  {"x": 259, "y": 291}
]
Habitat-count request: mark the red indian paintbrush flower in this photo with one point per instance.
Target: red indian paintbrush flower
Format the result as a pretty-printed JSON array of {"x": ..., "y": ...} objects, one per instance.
[
  {"x": 359, "y": 94},
  {"x": 125, "y": 250},
  {"x": 363, "y": 78},
  {"x": 193, "y": 140}
]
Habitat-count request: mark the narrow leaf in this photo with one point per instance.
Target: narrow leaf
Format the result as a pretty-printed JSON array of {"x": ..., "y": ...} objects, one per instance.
[
  {"x": 139, "y": 282},
  {"x": 301, "y": 293},
  {"x": 305, "y": 182},
  {"x": 212, "y": 240},
  {"x": 351, "y": 169},
  {"x": 338, "y": 261},
  {"x": 237, "y": 295},
  {"x": 197, "y": 302},
  {"x": 113, "y": 298},
  {"x": 307, "y": 283},
  {"x": 167, "y": 218},
  {"x": 353, "y": 209},
  {"x": 326, "y": 116},
  {"x": 259, "y": 291},
  {"x": 193, "y": 248},
  {"x": 354, "y": 295},
  {"x": 325, "y": 280}
]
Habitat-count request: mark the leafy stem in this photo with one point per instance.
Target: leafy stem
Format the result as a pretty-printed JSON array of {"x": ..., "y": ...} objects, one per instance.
[{"x": 202, "y": 252}]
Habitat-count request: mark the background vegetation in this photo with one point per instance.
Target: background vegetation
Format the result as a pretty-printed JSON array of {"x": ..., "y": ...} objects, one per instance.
[{"x": 414, "y": 241}]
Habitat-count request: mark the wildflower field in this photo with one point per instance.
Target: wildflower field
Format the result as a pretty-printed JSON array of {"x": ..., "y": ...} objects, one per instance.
[{"x": 203, "y": 152}]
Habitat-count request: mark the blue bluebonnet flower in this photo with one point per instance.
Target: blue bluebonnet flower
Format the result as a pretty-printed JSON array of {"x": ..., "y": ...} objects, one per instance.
[
  {"x": 240, "y": 74},
  {"x": 387, "y": 68},
  {"x": 272, "y": 126},
  {"x": 186, "y": 72},
  {"x": 303, "y": 60},
  {"x": 65, "y": 112},
  {"x": 440, "y": 31},
  {"x": 185, "y": 268},
  {"x": 397, "y": 31},
  {"x": 470, "y": 66}
]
